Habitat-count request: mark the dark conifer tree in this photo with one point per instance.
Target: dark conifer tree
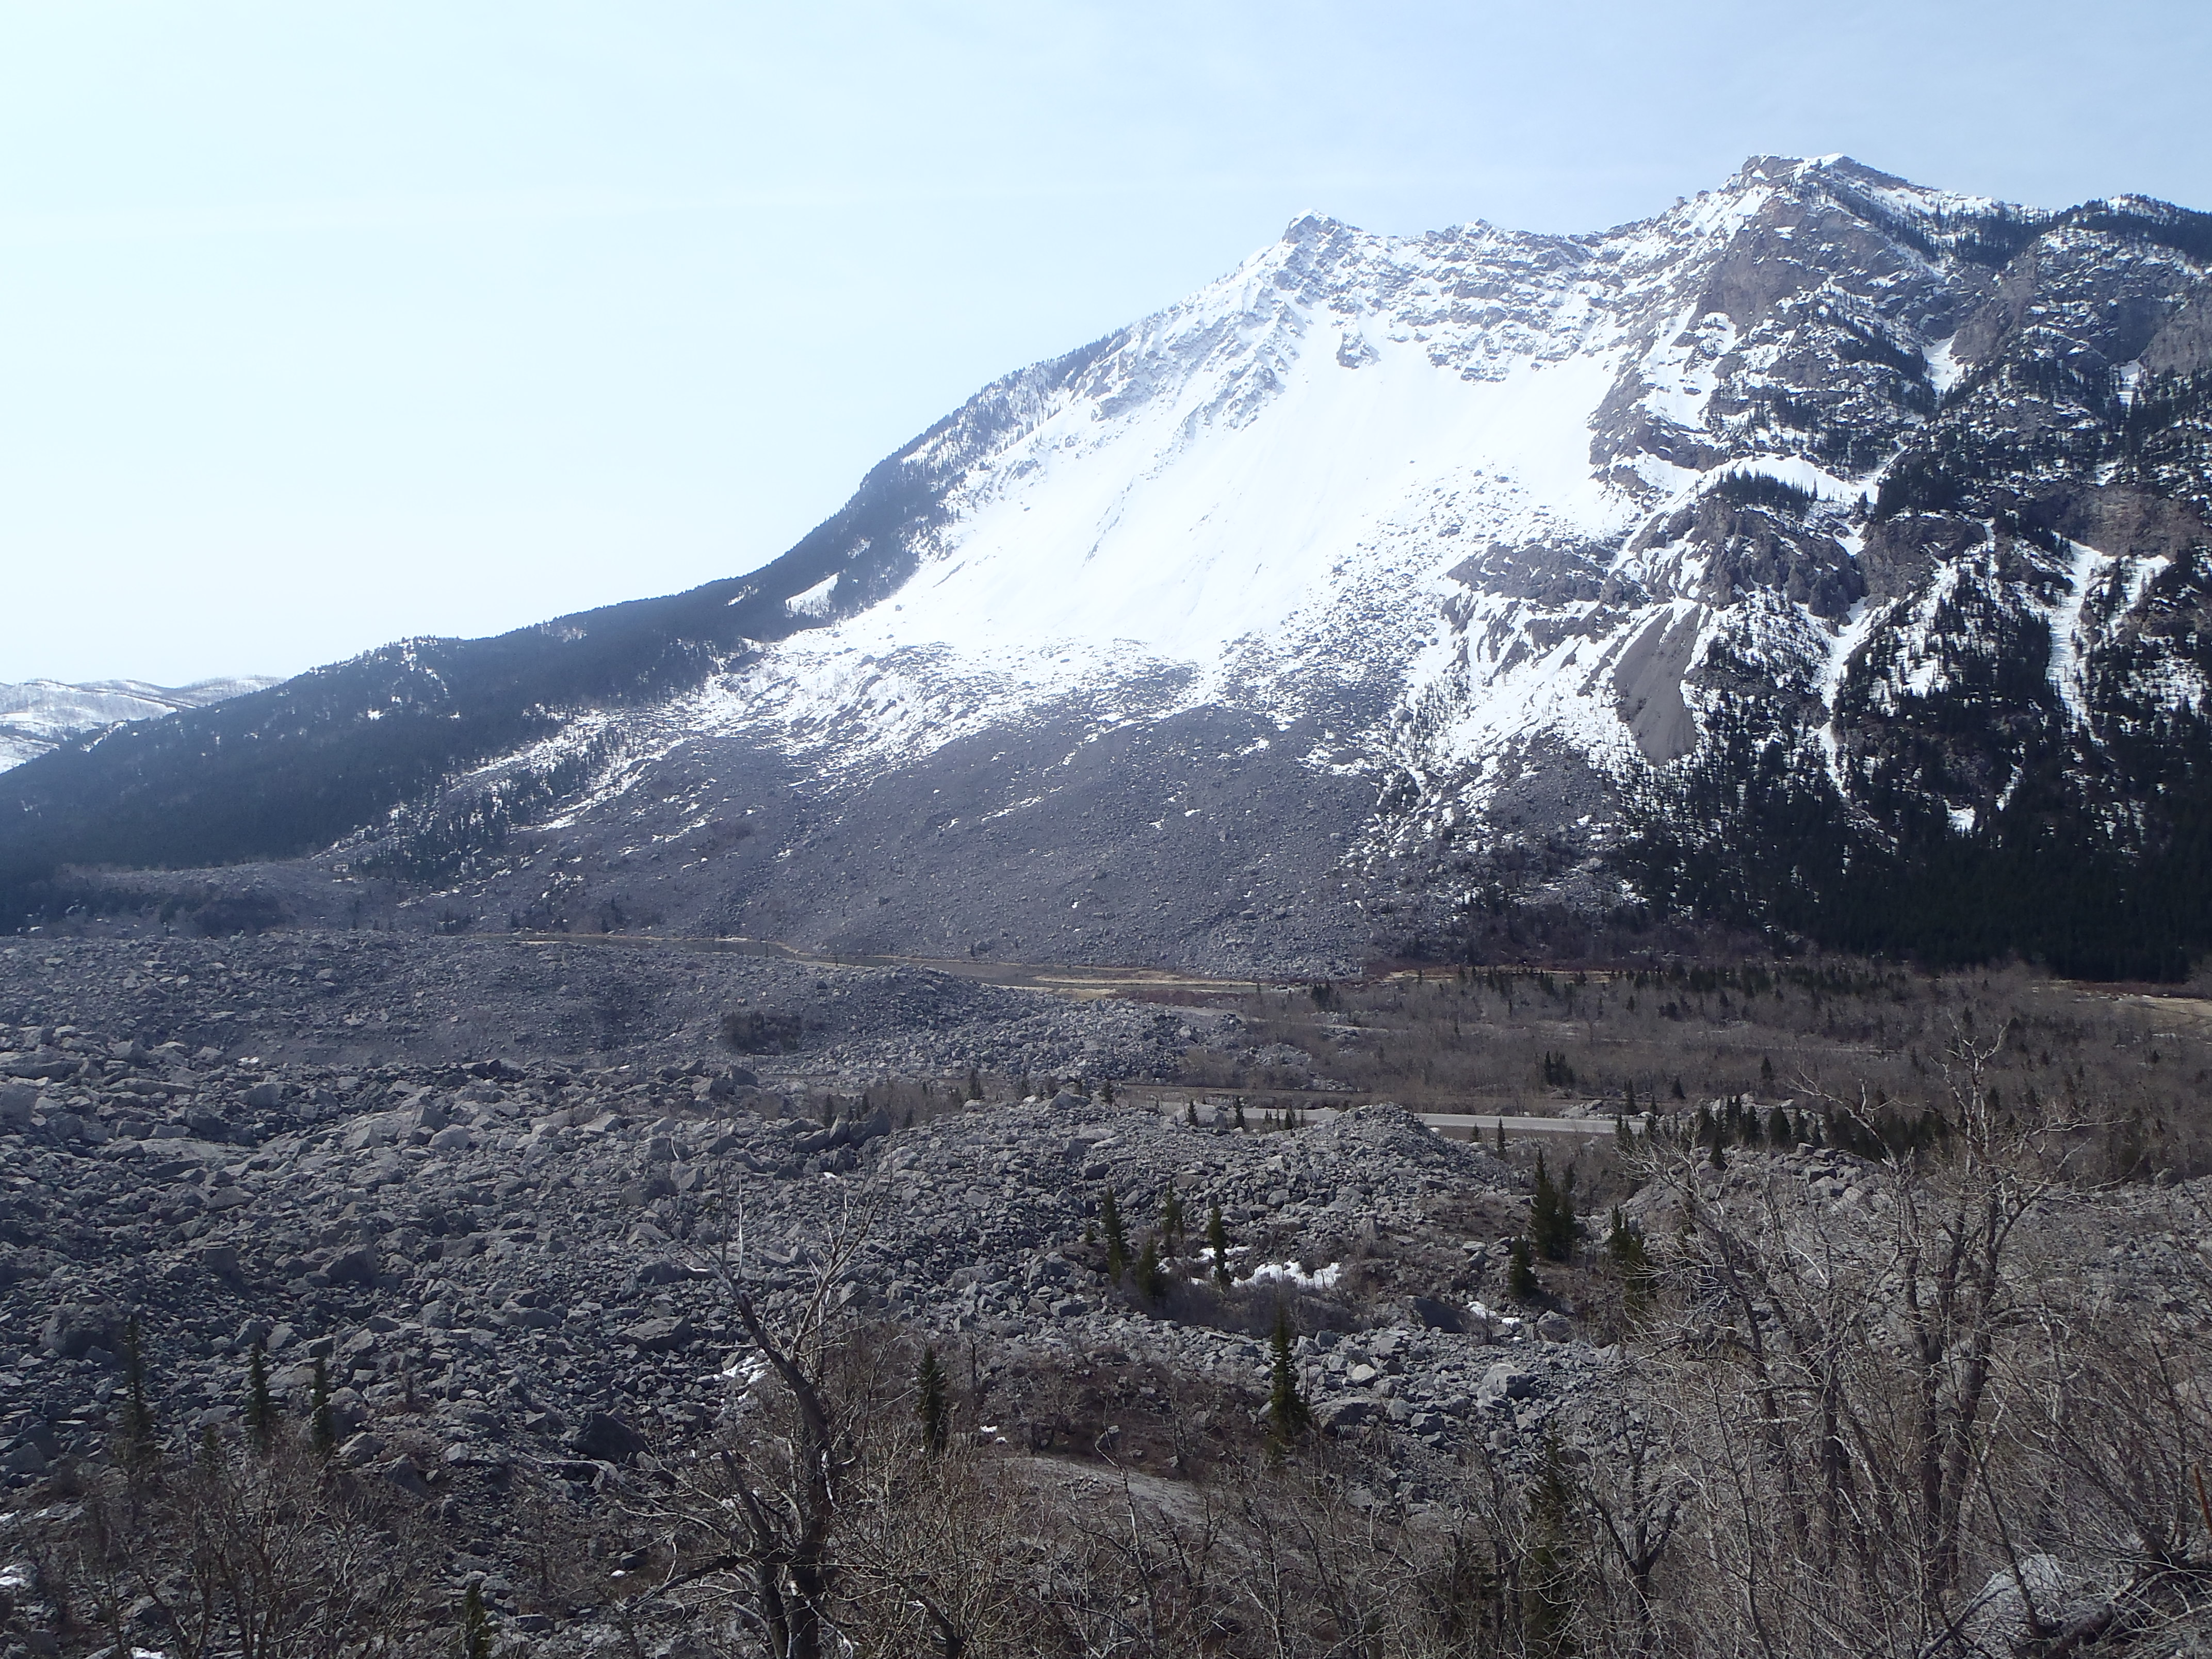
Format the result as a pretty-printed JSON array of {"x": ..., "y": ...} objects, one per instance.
[
  {"x": 1521, "y": 1273},
  {"x": 138, "y": 1409},
  {"x": 1217, "y": 1240},
  {"x": 1288, "y": 1415},
  {"x": 932, "y": 1403},
  {"x": 1117, "y": 1244},
  {"x": 260, "y": 1410},
  {"x": 1625, "y": 1247},
  {"x": 1151, "y": 1277},
  {"x": 476, "y": 1624},
  {"x": 1551, "y": 1214},
  {"x": 1551, "y": 1566}
]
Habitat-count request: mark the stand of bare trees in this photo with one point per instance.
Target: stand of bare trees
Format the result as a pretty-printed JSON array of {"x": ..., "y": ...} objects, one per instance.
[
  {"x": 1909, "y": 1428},
  {"x": 824, "y": 1521},
  {"x": 241, "y": 1550}
]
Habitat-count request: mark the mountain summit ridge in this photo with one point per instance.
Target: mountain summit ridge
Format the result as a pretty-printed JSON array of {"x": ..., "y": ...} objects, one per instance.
[{"x": 1817, "y": 526}]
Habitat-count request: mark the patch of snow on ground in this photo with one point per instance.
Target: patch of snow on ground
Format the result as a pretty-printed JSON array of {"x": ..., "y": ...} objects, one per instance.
[
  {"x": 815, "y": 601},
  {"x": 1795, "y": 471},
  {"x": 2068, "y": 645},
  {"x": 1289, "y": 1273},
  {"x": 1859, "y": 621},
  {"x": 1944, "y": 369}
]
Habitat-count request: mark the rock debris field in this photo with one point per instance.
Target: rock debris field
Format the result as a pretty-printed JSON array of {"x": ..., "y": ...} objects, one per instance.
[
  {"x": 511, "y": 1261},
  {"x": 508, "y": 1263},
  {"x": 329, "y": 1004}
]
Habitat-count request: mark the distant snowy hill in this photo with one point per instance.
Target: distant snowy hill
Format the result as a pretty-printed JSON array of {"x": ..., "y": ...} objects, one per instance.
[
  {"x": 36, "y": 715},
  {"x": 1826, "y": 555}
]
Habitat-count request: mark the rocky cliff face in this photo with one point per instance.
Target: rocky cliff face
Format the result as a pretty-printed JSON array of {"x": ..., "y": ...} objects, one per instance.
[{"x": 1826, "y": 555}]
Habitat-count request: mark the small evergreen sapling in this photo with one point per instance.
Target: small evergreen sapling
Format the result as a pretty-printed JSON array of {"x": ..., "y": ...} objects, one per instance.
[
  {"x": 476, "y": 1624},
  {"x": 1521, "y": 1273},
  {"x": 1625, "y": 1247},
  {"x": 1171, "y": 1221},
  {"x": 1151, "y": 1277},
  {"x": 1551, "y": 1213},
  {"x": 1551, "y": 1570},
  {"x": 1217, "y": 1240},
  {"x": 137, "y": 1411},
  {"x": 1117, "y": 1243},
  {"x": 1288, "y": 1414},
  {"x": 260, "y": 1410},
  {"x": 933, "y": 1403}
]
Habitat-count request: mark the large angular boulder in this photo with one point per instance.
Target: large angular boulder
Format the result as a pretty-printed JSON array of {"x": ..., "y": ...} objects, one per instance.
[
  {"x": 71, "y": 1331},
  {"x": 606, "y": 1438},
  {"x": 659, "y": 1335},
  {"x": 17, "y": 1102}
]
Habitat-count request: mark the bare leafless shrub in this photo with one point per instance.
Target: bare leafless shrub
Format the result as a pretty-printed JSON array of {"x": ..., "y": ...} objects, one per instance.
[
  {"x": 1883, "y": 1410},
  {"x": 234, "y": 1550}
]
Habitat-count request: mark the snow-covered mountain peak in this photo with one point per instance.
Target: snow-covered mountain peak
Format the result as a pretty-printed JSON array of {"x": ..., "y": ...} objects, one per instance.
[
  {"x": 1485, "y": 496},
  {"x": 1327, "y": 455},
  {"x": 1820, "y": 509}
]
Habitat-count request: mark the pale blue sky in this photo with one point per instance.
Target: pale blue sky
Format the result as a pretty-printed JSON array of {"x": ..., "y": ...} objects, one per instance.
[{"x": 322, "y": 324}]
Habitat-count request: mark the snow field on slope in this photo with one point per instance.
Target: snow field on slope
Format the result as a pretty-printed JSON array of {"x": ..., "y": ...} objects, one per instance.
[
  {"x": 1178, "y": 538},
  {"x": 1143, "y": 560}
]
